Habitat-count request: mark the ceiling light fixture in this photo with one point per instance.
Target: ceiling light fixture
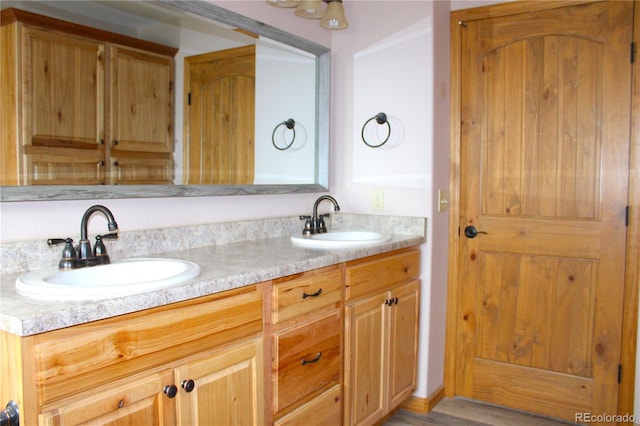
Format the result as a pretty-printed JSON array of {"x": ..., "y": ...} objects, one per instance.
[
  {"x": 332, "y": 17},
  {"x": 283, "y": 3},
  {"x": 310, "y": 9}
]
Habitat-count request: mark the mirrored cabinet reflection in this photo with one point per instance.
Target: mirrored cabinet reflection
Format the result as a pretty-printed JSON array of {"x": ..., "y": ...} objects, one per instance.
[{"x": 82, "y": 105}]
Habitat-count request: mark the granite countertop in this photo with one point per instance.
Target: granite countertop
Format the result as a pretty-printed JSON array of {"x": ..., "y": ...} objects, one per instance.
[{"x": 223, "y": 267}]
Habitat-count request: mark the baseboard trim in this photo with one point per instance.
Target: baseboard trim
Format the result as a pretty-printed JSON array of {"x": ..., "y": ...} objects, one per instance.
[{"x": 424, "y": 405}]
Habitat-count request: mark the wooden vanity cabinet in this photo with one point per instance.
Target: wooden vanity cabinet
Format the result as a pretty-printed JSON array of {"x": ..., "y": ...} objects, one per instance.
[
  {"x": 305, "y": 319},
  {"x": 381, "y": 334},
  {"x": 82, "y": 106},
  {"x": 137, "y": 368}
]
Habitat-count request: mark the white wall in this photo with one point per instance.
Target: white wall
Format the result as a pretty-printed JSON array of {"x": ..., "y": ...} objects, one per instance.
[{"x": 385, "y": 62}]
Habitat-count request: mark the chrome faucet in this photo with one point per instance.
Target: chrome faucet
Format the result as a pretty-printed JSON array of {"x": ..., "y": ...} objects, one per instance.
[
  {"x": 84, "y": 255},
  {"x": 315, "y": 224}
]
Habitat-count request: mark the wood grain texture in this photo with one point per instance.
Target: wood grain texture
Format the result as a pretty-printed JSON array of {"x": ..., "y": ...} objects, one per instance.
[
  {"x": 541, "y": 167},
  {"x": 627, "y": 385},
  {"x": 11, "y": 15},
  {"x": 135, "y": 400},
  {"x": 10, "y": 110},
  {"x": 229, "y": 387},
  {"x": 306, "y": 359},
  {"x": 321, "y": 411},
  {"x": 303, "y": 293},
  {"x": 84, "y": 356},
  {"x": 374, "y": 274},
  {"x": 219, "y": 122}
]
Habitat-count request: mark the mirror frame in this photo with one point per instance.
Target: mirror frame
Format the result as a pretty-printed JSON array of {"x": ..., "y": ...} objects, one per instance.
[{"x": 216, "y": 13}]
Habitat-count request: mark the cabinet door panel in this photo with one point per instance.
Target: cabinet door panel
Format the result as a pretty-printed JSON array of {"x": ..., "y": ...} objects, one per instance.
[
  {"x": 365, "y": 379},
  {"x": 141, "y": 101},
  {"x": 228, "y": 387},
  {"x": 129, "y": 401},
  {"x": 63, "y": 89},
  {"x": 403, "y": 342}
]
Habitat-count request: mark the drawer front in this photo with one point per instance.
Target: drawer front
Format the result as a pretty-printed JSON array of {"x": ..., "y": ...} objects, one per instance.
[
  {"x": 84, "y": 356},
  {"x": 303, "y": 293},
  {"x": 320, "y": 411},
  {"x": 306, "y": 358},
  {"x": 380, "y": 273}
]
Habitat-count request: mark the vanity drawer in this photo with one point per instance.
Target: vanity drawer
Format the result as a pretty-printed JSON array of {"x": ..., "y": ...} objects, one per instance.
[
  {"x": 306, "y": 358},
  {"x": 325, "y": 409},
  {"x": 302, "y": 293},
  {"x": 381, "y": 272}
]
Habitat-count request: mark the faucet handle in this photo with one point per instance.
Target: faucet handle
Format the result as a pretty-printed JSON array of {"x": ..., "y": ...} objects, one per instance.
[
  {"x": 69, "y": 252},
  {"x": 307, "y": 225},
  {"x": 99, "y": 249},
  {"x": 322, "y": 227}
]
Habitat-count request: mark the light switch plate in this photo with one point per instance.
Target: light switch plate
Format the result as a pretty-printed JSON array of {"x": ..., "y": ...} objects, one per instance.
[
  {"x": 377, "y": 199},
  {"x": 443, "y": 200}
]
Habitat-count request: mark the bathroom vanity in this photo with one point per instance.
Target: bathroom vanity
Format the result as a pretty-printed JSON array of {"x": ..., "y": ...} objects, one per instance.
[{"x": 268, "y": 333}]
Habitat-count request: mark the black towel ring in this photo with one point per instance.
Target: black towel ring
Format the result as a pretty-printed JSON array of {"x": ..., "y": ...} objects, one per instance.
[
  {"x": 381, "y": 118},
  {"x": 290, "y": 124}
]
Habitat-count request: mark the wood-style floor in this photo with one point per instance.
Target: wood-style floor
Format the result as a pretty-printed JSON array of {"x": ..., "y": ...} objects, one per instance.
[{"x": 462, "y": 412}]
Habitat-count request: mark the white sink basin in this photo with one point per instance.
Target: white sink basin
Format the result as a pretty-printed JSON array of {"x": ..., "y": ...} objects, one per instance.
[
  {"x": 340, "y": 239},
  {"x": 120, "y": 278}
]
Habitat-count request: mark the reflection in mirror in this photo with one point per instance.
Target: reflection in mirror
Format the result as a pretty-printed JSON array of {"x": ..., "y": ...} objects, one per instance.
[{"x": 228, "y": 145}]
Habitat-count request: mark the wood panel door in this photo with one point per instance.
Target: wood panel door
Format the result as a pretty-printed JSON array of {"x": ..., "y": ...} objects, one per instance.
[
  {"x": 227, "y": 387},
  {"x": 544, "y": 142},
  {"x": 220, "y": 117}
]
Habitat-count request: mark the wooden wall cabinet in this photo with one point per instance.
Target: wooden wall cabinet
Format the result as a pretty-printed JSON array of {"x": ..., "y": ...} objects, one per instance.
[
  {"x": 83, "y": 106},
  {"x": 194, "y": 362},
  {"x": 381, "y": 335}
]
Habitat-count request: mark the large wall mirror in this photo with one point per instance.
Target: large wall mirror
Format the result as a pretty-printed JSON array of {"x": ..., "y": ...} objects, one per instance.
[{"x": 290, "y": 87}]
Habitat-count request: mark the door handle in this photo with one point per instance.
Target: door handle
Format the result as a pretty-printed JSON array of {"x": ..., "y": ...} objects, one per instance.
[{"x": 471, "y": 232}]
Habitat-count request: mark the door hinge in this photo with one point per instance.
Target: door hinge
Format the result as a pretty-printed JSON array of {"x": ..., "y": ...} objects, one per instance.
[
  {"x": 619, "y": 373},
  {"x": 633, "y": 52},
  {"x": 626, "y": 217},
  {"x": 189, "y": 98}
]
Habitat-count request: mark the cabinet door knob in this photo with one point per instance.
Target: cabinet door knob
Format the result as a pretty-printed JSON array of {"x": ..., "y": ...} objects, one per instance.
[
  {"x": 188, "y": 385},
  {"x": 316, "y": 294},
  {"x": 170, "y": 390}
]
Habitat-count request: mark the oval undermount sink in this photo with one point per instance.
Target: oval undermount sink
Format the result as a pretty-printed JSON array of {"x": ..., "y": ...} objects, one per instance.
[
  {"x": 119, "y": 278},
  {"x": 340, "y": 239}
]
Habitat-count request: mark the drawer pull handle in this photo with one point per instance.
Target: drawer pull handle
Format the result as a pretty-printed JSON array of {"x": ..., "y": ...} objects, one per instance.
[
  {"x": 311, "y": 361},
  {"x": 316, "y": 294}
]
